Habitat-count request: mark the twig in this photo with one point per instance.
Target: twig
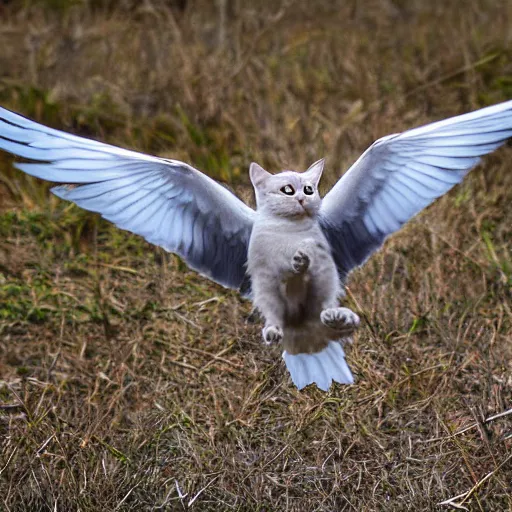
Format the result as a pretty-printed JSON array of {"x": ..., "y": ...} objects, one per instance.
[
  {"x": 186, "y": 320},
  {"x": 126, "y": 496},
  {"x": 499, "y": 415},
  {"x": 465, "y": 496},
  {"x": 451, "y": 502},
  {"x": 213, "y": 356},
  {"x": 470, "y": 427},
  {"x": 207, "y": 301},
  {"x": 217, "y": 355},
  {"x": 183, "y": 365},
  {"x": 419, "y": 372},
  {"x": 117, "y": 267},
  {"x": 52, "y": 366},
  {"x": 191, "y": 502},
  {"x": 180, "y": 493},
  {"x": 44, "y": 445},
  {"x": 9, "y": 459},
  {"x": 9, "y": 407}
]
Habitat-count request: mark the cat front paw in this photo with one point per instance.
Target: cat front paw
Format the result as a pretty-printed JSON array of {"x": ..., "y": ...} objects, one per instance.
[
  {"x": 300, "y": 262},
  {"x": 343, "y": 320},
  {"x": 272, "y": 334}
]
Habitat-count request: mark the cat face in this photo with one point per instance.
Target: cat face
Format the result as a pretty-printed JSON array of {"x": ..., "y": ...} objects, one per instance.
[{"x": 288, "y": 194}]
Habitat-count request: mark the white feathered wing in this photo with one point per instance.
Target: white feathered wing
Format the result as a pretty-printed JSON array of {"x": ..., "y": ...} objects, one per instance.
[
  {"x": 169, "y": 203},
  {"x": 401, "y": 174}
]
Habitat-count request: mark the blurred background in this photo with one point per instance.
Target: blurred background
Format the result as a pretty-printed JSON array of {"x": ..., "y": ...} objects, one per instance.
[
  {"x": 127, "y": 382},
  {"x": 218, "y": 83}
]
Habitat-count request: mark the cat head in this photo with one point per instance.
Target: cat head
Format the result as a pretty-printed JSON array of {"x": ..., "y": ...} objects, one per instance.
[{"x": 288, "y": 194}]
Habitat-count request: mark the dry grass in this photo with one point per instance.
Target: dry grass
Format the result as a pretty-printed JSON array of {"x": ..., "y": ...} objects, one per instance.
[{"x": 129, "y": 383}]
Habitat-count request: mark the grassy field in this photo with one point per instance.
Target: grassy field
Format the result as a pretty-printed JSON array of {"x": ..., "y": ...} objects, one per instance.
[{"x": 129, "y": 383}]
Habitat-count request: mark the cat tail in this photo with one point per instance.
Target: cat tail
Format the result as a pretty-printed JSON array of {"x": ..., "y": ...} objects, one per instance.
[{"x": 320, "y": 368}]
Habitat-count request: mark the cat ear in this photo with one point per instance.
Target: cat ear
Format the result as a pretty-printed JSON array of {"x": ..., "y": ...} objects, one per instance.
[
  {"x": 258, "y": 174},
  {"x": 314, "y": 173}
]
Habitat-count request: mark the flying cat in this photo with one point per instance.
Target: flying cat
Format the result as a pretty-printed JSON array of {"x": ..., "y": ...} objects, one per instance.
[
  {"x": 292, "y": 255},
  {"x": 295, "y": 281}
]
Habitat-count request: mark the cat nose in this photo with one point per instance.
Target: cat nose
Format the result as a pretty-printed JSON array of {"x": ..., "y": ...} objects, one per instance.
[{"x": 301, "y": 201}]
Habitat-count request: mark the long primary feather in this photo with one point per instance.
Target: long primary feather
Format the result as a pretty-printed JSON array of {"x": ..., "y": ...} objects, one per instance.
[
  {"x": 401, "y": 174},
  {"x": 168, "y": 202}
]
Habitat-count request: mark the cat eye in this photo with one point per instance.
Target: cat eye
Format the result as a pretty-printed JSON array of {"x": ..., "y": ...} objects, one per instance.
[
  {"x": 288, "y": 190},
  {"x": 308, "y": 190}
]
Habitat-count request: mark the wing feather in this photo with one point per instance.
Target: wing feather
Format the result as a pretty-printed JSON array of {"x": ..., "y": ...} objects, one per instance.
[
  {"x": 401, "y": 174},
  {"x": 168, "y": 202}
]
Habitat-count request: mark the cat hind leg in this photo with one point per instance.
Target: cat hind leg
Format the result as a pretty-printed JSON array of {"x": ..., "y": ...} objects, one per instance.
[
  {"x": 343, "y": 320},
  {"x": 272, "y": 334}
]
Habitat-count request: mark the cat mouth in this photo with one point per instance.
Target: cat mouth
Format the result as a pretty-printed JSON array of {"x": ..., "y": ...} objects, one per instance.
[{"x": 306, "y": 211}]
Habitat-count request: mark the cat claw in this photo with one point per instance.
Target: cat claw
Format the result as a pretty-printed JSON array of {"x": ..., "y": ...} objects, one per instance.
[
  {"x": 300, "y": 262},
  {"x": 272, "y": 334},
  {"x": 342, "y": 320}
]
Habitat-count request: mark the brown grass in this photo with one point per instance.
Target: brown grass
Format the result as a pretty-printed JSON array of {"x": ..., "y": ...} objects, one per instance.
[{"x": 127, "y": 382}]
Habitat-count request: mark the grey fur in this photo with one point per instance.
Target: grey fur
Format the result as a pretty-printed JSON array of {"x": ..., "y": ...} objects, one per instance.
[{"x": 295, "y": 283}]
